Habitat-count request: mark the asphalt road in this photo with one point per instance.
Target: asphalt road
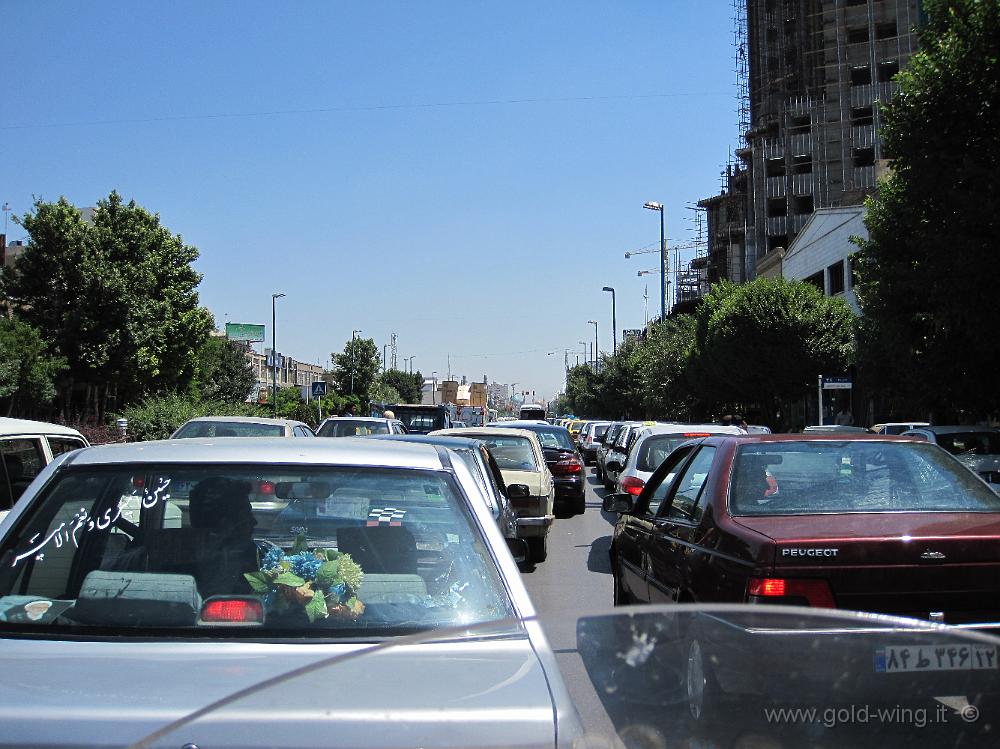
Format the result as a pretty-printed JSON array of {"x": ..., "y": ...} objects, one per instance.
[{"x": 575, "y": 581}]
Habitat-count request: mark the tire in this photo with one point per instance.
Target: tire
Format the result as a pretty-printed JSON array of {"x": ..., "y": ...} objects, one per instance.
[
  {"x": 703, "y": 694},
  {"x": 598, "y": 472},
  {"x": 538, "y": 548}
]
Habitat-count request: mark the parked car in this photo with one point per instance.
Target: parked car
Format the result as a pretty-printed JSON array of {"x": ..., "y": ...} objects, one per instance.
[
  {"x": 378, "y": 541},
  {"x": 476, "y": 453},
  {"x": 590, "y": 438},
  {"x": 518, "y": 453},
  {"x": 887, "y": 525},
  {"x": 605, "y": 445},
  {"x": 898, "y": 427},
  {"x": 26, "y": 447},
  {"x": 241, "y": 426},
  {"x": 563, "y": 459},
  {"x": 835, "y": 428},
  {"x": 652, "y": 445},
  {"x": 757, "y": 429},
  {"x": 359, "y": 426},
  {"x": 977, "y": 447}
]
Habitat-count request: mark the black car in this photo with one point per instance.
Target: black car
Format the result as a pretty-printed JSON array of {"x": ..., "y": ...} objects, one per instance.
[{"x": 563, "y": 459}]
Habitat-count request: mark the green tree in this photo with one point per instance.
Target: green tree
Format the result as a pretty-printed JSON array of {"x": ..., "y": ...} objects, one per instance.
[
  {"x": 662, "y": 362},
  {"x": 356, "y": 368},
  {"x": 407, "y": 384},
  {"x": 224, "y": 372},
  {"x": 27, "y": 370},
  {"x": 926, "y": 276},
  {"x": 764, "y": 343},
  {"x": 117, "y": 298},
  {"x": 156, "y": 417}
]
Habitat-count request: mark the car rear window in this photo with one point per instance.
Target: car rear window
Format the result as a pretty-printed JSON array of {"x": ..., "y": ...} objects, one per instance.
[
  {"x": 970, "y": 443},
  {"x": 655, "y": 450},
  {"x": 599, "y": 431},
  {"x": 802, "y": 478},
  {"x": 196, "y": 429},
  {"x": 558, "y": 438},
  {"x": 318, "y": 550},
  {"x": 511, "y": 453},
  {"x": 352, "y": 428}
]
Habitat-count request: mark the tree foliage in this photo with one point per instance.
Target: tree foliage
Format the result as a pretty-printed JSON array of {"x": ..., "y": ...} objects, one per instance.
[
  {"x": 356, "y": 368},
  {"x": 27, "y": 370},
  {"x": 224, "y": 372},
  {"x": 157, "y": 417},
  {"x": 116, "y": 297},
  {"x": 927, "y": 273},
  {"x": 407, "y": 384}
]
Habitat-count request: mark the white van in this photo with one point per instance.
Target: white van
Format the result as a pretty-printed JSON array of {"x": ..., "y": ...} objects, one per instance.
[{"x": 26, "y": 447}]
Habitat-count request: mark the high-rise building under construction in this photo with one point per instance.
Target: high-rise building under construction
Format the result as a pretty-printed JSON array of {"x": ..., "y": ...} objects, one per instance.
[{"x": 811, "y": 75}]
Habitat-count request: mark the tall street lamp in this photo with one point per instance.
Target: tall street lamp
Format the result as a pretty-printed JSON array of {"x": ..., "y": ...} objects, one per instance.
[
  {"x": 410, "y": 360},
  {"x": 274, "y": 355},
  {"x": 584, "y": 344},
  {"x": 434, "y": 386},
  {"x": 353, "y": 334},
  {"x": 597, "y": 351},
  {"x": 614, "y": 320},
  {"x": 663, "y": 260}
]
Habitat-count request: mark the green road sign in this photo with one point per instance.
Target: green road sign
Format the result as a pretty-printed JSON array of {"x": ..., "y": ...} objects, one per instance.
[{"x": 238, "y": 331}]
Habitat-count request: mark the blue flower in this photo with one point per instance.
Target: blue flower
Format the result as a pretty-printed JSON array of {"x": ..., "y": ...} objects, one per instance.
[
  {"x": 305, "y": 565},
  {"x": 272, "y": 559},
  {"x": 339, "y": 590}
]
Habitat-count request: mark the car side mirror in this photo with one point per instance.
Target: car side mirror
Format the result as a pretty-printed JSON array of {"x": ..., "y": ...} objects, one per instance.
[
  {"x": 518, "y": 549},
  {"x": 518, "y": 491},
  {"x": 619, "y": 503}
]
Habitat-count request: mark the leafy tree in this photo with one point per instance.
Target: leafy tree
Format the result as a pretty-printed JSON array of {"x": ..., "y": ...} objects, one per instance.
[
  {"x": 117, "y": 298},
  {"x": 407, "y": 384},
  {"x": 583, "y": 391},
  {"x": 356, "y": 368},
  {"x": 926, "y": 277},
  {"x": 766, "y": 341},
  {"x": 224, "y": 372},
  {"x": 27, "y": 370},
  {"x": 662, "y": 362},
  {"x": 384, "y": 393},
  {"x": 157, "y": 417}
]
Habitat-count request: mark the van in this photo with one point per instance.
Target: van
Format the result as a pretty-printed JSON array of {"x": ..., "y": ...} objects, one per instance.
[{"x": 26, "y": 447}]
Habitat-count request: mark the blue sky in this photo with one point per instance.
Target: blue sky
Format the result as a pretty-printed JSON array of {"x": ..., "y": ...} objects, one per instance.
[{"x": 466, "y": 174}]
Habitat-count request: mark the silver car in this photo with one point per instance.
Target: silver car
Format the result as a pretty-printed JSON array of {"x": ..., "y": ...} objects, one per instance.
[
  {"x": 653, "y": 444},
  {"x": 977, "y": 447},
  {"x": 359, "y": 426},
  {"x": 117, "y": 630},
  {"x": 241, "y": 426}
]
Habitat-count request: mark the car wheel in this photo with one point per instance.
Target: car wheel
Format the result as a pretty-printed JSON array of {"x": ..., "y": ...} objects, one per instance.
[
  {"x": 598, "y": 473},
  {"x": 703, "y": 692},
  {"x": 538, "y": 548}
]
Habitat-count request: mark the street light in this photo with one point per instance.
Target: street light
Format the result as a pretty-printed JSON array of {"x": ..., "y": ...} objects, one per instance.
[
  {"x": 663, "y": 260},
  {"x": 353, "y": 333},
  {"x": 614, "y": 320},
  {"x": 434, "y": 386},
  {"x": 584, "y": 344},
  {"x": 410, "y": 360},
  {"x": 274, "y": 355},
  {"x": 597, "y": 350}
]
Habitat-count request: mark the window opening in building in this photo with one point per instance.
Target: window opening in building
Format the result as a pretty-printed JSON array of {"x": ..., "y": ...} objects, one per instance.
[{"x": 836, "y": 274}]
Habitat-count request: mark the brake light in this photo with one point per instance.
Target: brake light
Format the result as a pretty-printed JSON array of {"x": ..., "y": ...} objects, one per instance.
[
  {"x": 802, "y": 591},
  {"x": 569, "y": 465},
  {"x": 233, "y": 611},
  {"x": 267, "y": 487},
  {"x": 138, "y": 481},
  {"x": 633, "y": 485},
  {"x": 697, "y": 434}
]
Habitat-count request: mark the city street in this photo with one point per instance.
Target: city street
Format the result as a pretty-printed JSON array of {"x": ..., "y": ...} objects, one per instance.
[{"x": 575, "y": 581}]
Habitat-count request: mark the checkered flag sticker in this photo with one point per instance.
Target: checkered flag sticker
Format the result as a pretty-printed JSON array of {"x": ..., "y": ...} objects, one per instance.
[{"x": 385, "y": 516}]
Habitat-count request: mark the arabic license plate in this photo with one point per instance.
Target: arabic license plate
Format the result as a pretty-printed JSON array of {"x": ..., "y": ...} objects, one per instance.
[{"x": 952, "y": 657}]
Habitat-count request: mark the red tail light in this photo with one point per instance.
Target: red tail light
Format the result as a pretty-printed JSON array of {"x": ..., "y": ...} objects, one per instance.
[
  {"x": 795, "y": 591},
  {"x": 696, "y": 434},
  {"x": 267, "y": 487},
  {"x": 233, "y": 611},
  {"x": 567, "y": 466},
  {"x": 633, "y": 485}
]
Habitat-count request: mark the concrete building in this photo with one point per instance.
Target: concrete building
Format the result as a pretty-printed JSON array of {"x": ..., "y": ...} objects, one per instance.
[
  {"x": 821, "y": 252},
  {"x": 291, "y": 373},
  {"x": 811, "y": 75}
]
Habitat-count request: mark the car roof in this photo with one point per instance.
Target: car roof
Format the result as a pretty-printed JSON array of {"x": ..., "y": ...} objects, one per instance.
[
  {"x": 956, "y": 429},
  {"x": 359, "y": 418},
  {"x": 490, "y": 431},
  {"x": 700, "y": 429},
  {"x": 814, "y": 437},
  {"x": 358, "y": 451},
  {"x": 432, "y": 439},
  {"x": 27, "y": 426},
  {"x": 246, "y": 420},
  {"x": 527, "y": 424}
]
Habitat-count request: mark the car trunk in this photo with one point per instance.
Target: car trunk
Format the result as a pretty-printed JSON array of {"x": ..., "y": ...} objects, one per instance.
[
  {"x": 536, "y": 504},
  {"x": 944, "y": 566}
]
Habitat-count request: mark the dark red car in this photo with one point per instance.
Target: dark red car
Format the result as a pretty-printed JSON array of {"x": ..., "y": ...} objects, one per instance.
[{"x": 871, "y": 523}]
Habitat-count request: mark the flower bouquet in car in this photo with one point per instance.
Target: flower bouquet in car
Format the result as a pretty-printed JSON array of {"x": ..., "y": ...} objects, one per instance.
[{"x": 320, "y": 582}]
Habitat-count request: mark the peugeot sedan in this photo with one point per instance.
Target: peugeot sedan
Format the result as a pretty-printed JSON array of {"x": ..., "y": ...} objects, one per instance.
[{"x": 115, "y": 628}]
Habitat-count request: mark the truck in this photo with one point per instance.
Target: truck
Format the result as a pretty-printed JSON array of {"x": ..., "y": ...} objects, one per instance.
[
  {"x": 423, "y": 418},
  {"x": 532, "y": 411},
  {"x": 473, "y": 416}
]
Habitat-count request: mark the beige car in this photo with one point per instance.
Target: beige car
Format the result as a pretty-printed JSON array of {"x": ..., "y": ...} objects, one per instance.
[{"x": 518, "y": 454}]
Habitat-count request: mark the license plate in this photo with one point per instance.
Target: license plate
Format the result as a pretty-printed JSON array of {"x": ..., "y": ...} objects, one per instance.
[{"x": 907, "y": 658}]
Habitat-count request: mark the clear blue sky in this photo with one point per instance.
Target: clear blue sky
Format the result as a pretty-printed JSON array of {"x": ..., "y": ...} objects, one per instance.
[{"x": 465, "y": 174}]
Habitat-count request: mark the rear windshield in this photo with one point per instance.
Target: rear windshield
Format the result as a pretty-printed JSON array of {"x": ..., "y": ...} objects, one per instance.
[
  {"x": 802, "y": 478},
  {"x": 352, "y": 428},
  {"x": 510, "y": 453},
  {"x": 228, "y": 429},
  {"x": 970, "y": 443},
  {"x": 417, "y": 421},
  {"x": 599, "y": 431},
  {"x": 558, "y": 438},
  {"x": 319, "y": 550},
  {"x": 655, "y": 450}
]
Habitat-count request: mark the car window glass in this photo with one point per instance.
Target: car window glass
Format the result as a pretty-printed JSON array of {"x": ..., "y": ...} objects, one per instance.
[
  {"x": 60, "y": 445},
  {"x": 661, "y": 490},
  {"x": 511, "y": 453},
  {"x": 196, "y": 429},
  {"x": 652, "y": 451},
  {"x": 23, "y": 459},
  {"x": 686, "y": 503}
]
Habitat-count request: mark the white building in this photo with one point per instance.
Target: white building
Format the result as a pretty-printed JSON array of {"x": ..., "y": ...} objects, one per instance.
[{"x": 821, "y": 253}]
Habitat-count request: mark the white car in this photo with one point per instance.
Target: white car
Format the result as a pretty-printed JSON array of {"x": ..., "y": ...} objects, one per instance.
[
  {"x": 26, "y": 447},
  {"x": 359, "y": 426},
  {"x": 241, "y": 426},
  {"x": 652, "y": 445}
]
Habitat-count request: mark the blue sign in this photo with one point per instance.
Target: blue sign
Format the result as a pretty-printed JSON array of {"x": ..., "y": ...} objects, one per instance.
[
  {"x": 318, "y": 388},
  {"x": 836, "y": 383}
]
